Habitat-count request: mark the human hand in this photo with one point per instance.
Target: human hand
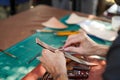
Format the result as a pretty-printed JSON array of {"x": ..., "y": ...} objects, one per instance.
[
  {"x": 85, "y": 45},
  {"x": 54, "y": 63}
]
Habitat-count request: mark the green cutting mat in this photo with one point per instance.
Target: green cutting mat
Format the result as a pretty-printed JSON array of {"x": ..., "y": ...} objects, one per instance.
[{"x": 27, "y": 49}]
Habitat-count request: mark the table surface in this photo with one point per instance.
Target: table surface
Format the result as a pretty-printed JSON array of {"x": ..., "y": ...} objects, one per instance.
[{"x": 18, "y": 27}]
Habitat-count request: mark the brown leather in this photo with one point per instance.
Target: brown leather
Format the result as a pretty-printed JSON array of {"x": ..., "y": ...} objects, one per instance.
[{"x": 20, "y": 26}]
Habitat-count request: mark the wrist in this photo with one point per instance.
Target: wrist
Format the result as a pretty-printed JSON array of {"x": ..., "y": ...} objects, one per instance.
[
  {"x": 61, "y": 76},
  {"x": 60, "y": 70}
]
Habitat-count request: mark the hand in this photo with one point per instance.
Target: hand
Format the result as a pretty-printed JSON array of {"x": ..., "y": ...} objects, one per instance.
[
  {"x": 85, "y": 45},
  {"x": 55, "y": 63}
]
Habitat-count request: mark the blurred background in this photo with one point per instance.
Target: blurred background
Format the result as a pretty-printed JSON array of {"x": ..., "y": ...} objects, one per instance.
[{"x": 95, "y": 7}]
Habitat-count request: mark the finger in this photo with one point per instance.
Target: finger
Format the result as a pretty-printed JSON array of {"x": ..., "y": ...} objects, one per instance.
[
  {"x": 47, "y": 53},
  {"x": 58, "y": 52},
  {"x": 76, "y": 38},
  {"x": 43, "y": 62},
  {"x": 74, "y": 50},
  {"x": 42, "y": 59},
  {"x": 44, "y": 51},
  {"x": 47, "y": 69},
  {"x": 72, "y": 41}
]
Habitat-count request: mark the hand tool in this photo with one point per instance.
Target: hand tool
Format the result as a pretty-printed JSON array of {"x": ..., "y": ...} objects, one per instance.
[
  {"x": 81, "y": 61},
  {"x": 60, "y": 33},
  {"x": 9, "y": 54}
]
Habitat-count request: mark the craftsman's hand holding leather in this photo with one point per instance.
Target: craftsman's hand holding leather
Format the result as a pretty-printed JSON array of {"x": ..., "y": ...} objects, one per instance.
[
  {"x": 86, "y": 46},
  {"x": 55, "y": 63}
]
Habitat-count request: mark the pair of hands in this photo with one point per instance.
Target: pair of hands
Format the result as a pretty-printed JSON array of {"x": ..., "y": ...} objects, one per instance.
[{"x": 55, "y": 63}]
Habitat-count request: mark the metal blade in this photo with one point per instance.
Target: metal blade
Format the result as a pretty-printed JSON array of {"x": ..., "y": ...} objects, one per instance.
[{"x": 81, "y": 61}]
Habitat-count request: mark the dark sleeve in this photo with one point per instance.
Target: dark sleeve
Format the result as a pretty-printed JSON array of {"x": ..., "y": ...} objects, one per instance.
[{"x": 112, "y": 71}]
